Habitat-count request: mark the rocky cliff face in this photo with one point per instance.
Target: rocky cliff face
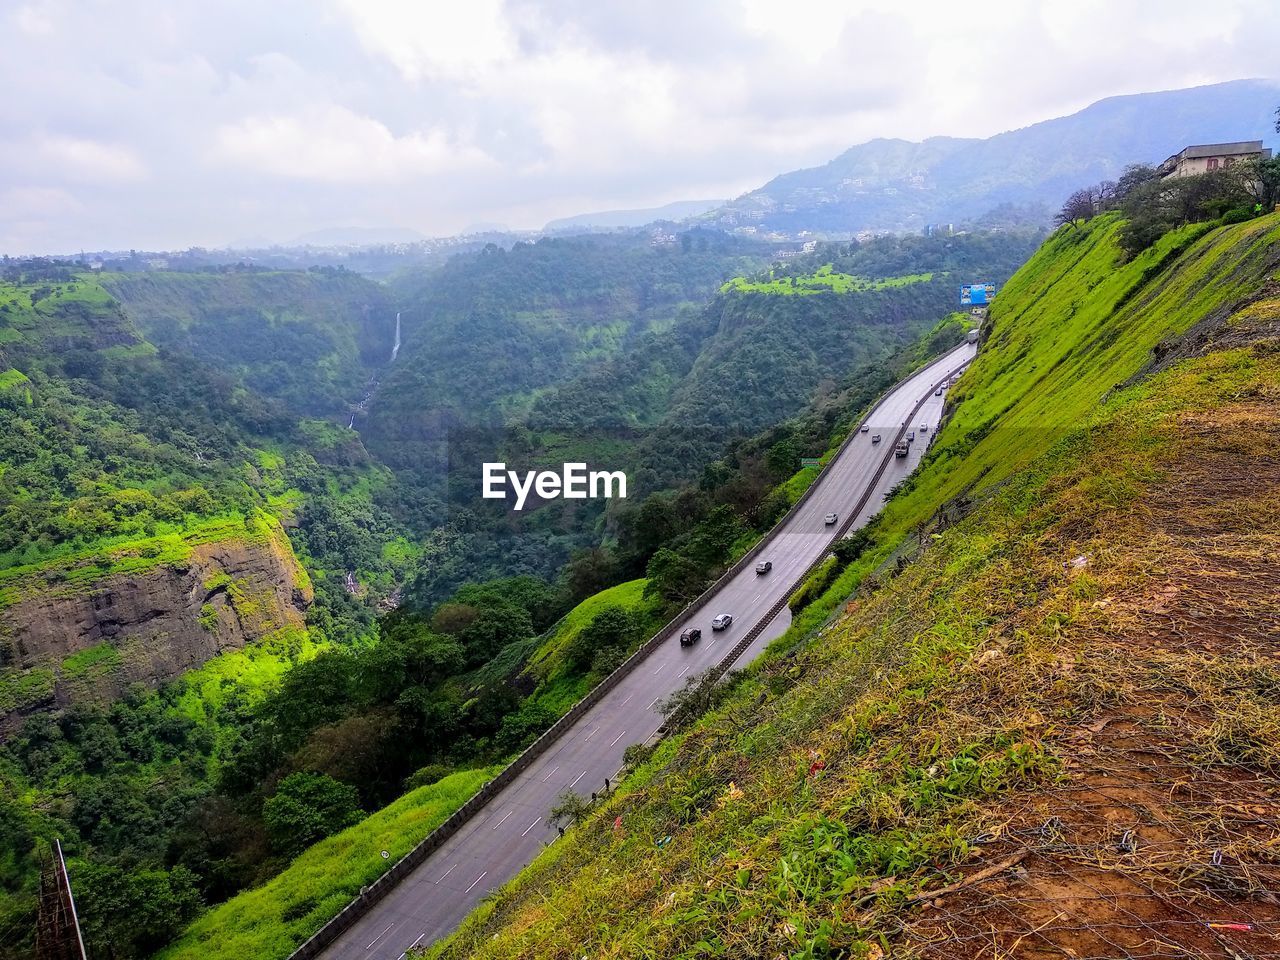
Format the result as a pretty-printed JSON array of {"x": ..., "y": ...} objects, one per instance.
[{"x": 60, "y": 645}]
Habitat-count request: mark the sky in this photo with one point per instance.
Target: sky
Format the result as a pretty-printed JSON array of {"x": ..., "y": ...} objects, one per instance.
[{"x": 163, "y": 124}]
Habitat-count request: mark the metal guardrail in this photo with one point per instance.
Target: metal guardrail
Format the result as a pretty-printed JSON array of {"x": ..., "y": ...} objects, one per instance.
[{"x": 385, "y": 883}]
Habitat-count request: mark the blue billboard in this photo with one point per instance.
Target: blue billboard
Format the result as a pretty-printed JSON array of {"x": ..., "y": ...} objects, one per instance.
[{"x": 977, "y": 294}]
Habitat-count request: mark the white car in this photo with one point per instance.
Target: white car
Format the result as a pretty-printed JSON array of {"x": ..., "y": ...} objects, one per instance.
[
  {"x": 924, "y": 428},
  {"x": 830, "y": 518},
  {"x": 722, "y": 622}
]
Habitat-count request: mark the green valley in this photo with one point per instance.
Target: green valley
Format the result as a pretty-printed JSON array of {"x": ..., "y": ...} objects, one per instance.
[{"x": 891, "y": 788}]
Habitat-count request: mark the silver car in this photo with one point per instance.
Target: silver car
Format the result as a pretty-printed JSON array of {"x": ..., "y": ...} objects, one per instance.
[{"x": 722, "y": 622}]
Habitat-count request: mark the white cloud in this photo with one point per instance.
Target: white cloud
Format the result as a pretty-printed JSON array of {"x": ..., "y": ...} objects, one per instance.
[
  {"x": 435, "y": 39},
  {"x": 38, "y": 203},
  {"x": 33, "y": 20},
  {"x": 203, "y": 123},
  {"x": 88, "y": 161},
  {"x": 335, "y": 145}
]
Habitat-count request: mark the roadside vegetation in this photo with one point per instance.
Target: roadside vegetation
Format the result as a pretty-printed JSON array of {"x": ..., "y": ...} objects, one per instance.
[{"x": 888, "y": 788}]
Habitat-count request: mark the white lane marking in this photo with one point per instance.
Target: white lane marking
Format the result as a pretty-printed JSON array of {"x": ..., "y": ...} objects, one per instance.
[
  {"x": 591, "y": 734},
  {"x": 548, "y": 776},
  {"x": 661, "y": 667},
  {"x": 530, "y": 827},
  {"x": 655, "y": 700},
  {"x": 503, "y": 820},
  {"x": 411, "y": 946},
  {"x": 626, "y": 701},
  {"x": 380, "y": 936},
  {"x": 576, "y": 779},
  {"x": 618, "y": 737},
  {"x": 475, "y": 881},
  {"x": 682, "y": 673},
  {"x": 445, "y": 874}
]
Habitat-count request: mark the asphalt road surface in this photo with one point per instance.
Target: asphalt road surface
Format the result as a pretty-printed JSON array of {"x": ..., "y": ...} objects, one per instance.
[{"x": 505, "y": 835}]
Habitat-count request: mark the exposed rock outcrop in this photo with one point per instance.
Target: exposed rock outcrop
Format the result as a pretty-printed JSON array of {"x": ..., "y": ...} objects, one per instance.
[{"x": 60, "y": 645}]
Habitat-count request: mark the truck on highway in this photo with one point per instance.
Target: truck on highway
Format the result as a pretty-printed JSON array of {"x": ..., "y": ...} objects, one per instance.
[{"x": 901, "y": 449}]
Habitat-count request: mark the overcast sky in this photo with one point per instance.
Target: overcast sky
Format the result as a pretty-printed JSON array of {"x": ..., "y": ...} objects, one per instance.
[{"x": 160, "y": 124}]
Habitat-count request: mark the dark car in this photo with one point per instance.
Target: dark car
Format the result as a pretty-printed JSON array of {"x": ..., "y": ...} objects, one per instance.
[
  {"x": 690, "y": 637},
  {"x": 876, "y": 438},
  {"x": 764, "y": 566}
]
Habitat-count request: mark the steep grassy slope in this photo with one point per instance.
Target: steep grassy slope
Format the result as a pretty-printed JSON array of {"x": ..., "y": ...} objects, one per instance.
[
  {"x": 273, "y": 919},
  {"x": 1031, "y": 739}
]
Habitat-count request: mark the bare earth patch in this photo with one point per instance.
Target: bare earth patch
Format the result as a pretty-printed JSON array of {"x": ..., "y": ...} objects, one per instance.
[{"x": 1162, "y": 839}]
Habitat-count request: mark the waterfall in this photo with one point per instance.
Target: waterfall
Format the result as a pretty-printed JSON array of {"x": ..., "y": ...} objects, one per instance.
[{"x": 395, "y": 347}]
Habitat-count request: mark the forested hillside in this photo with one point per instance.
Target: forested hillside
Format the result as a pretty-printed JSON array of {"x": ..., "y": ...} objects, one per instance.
[
  {"x": 961, "y": 754},
  {"x": 684, "y": 387},
  {"x": 312, "y": 339},
  {"x": 204, "y": 674}
]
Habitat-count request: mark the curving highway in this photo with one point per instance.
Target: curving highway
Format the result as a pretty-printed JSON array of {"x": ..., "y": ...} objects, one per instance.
[{"x": 509, "y": 831}]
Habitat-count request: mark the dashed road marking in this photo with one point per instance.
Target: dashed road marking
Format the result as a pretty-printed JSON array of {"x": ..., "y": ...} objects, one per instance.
[
  {"x": 618, "y": 737},
  {"x": 530, "y": 827},
  {"x": 475, "y": 881},
  {"x": 503, "y": 820},
  {"x": 548, "y": 776},
  {"x": 380, "y": 936}
]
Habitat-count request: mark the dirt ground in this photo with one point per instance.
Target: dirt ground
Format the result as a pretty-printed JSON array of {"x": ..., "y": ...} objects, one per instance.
[{"x": 1162, "y": 838}]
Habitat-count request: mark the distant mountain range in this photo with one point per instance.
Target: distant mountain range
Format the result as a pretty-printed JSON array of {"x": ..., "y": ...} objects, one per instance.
[
  {"x": 610, "y": 219},
  {"x": 1018, "y": 176}
]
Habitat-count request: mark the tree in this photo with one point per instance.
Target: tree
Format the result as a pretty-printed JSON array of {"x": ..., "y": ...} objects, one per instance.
[
  {"x": 673, "y": 577},
  {"x": 1079, "y": 206},
  {"x": 1134, "y": 176},
  {"x": 493, "y": 629},
  {"x": 571, "y": 809},
  {"x": 588, "y": 572},
  {"x": 1262, "y": 180},
  {"x": 128, "y": 913},
  {"x": 602, "y": 642},
  {"x": 307, "y": 807},
  {"x": 852, "y": 547}
]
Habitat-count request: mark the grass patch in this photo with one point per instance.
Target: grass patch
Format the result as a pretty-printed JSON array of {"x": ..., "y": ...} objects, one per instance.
[
  {"x": 822, "y": 280},
  {"x": 268, "y": 922}
]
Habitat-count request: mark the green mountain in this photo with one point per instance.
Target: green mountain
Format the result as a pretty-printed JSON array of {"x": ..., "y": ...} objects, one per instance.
[
  {"x": 312, "y": 339},
  {"x": 1019, "y": 176},
  {"x": 641, "y": 358},
  {"x": 1085, "y": 553}
]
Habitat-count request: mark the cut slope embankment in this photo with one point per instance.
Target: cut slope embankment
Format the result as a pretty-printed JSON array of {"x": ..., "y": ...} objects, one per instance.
[{"x": 1050, "y": 733}]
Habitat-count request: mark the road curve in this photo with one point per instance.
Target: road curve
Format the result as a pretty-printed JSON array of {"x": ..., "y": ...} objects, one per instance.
[{"x": 510, "y": 830}]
